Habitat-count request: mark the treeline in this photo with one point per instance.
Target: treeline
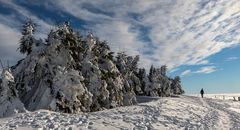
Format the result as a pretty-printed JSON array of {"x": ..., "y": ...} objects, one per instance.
[{"x": 70, "y": 73}]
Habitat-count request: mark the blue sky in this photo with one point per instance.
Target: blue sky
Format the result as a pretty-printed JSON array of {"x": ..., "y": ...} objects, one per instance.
[{"x": 197, "y": 39}]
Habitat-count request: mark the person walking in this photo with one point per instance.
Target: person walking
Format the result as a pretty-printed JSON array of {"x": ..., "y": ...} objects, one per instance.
[{"x": 202, "y": 92}]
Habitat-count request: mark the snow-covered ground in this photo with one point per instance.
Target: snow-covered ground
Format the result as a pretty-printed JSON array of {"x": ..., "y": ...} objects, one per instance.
[
  {"x": 179, "y": 113},
  {"x": 222, "y": 96}
]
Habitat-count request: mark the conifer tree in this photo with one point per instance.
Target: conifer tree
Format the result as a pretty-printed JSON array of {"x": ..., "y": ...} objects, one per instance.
[
  {"x": 163, "y": 70},
  {"x": 27, "y": 40}
]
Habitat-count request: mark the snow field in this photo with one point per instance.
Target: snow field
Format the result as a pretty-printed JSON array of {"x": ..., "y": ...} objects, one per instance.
[{"x": 183, "y": 113}]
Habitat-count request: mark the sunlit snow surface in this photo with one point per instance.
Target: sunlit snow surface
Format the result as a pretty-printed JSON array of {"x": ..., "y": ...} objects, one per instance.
[{"x": 179, "y": 113}]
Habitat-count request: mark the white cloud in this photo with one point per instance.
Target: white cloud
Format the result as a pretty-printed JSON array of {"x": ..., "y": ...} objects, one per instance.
[
  {"x": 174, "y": 70},
  {"x": 203, "y": 62},
  {"x": 202, "y": 70},
  {"x": 206, "y": 70},
  {"x": 120, "y": 37},
  {"x": 9, "y": 38},
  {"x": 77, "y": 9},
  {"x": 10, "y": 33},
  {"x": 186, "y": 72},
  {"x": 180, "y": 32},
  {"x": 43, "y": 26},
  {"x": 232, "y": 58}
]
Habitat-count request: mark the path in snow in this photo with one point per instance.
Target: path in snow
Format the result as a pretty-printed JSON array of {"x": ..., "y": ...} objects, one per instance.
[
  {"x": 184, "y": 113},
  {"x": 228, "y": 117},
  {"x": 215, "y": 118}
]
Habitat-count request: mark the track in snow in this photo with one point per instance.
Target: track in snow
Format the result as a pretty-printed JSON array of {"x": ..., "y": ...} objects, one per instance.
[
  {"x": 184, "y": 113},
  {"x": 229, "y": 119},
  {"x": 219, "y": 117}
]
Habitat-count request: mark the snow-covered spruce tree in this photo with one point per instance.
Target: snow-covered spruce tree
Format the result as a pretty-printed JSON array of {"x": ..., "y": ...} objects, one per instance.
[
  {"x": 27, "y": 40},
  {"x": 151, "y": 71},
  {"x": 68, "y": 73},
  {"x": 49, "y": 77},
  {"x": 176, "y": 86},
  {"x": 127, "y": 65},
  {"x": 142, "y": 75},
  {"x": 159, "y": 83},
  {"x": 102, "y": 78},
  {"x": 163, "y": 70},
  {"x": 165, "y": 82},
  {"x": 154, "y": 88},
  {"x": 9, "y": 101},
  {"x": 71, "y": 74}
]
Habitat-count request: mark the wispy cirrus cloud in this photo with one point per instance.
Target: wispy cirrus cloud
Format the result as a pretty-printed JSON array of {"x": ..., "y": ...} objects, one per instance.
[
  {"x": 202, "y": 70},
  {"x": 22, "y": 13},
  {"x": 10, "y": 26},
  {"x": 206, "y": 70},
  {"x": 232, "y": 58},
  {"x": 9, "y": 38},
  {"x": 177, "y": 32},
  {"x": 186, "y": 72},
  {"x": 120, "y": 37},
  {"x": 170, "y": 32}
]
